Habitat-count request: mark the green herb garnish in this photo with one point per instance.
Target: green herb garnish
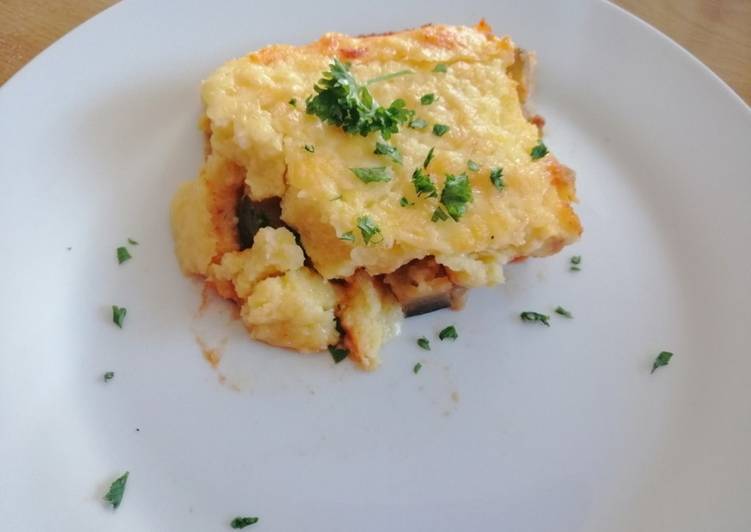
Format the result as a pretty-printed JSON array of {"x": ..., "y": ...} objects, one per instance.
[
  {"x": 338, "y": 353},
  {"x": 242, "y": 522},
  {"x": 575, "y": 262},
  {"x": 372, "y": 175},
  {"x": 539, "y": 151},
  {"x": 404, "y": 202},
  {"x": 440, "y": 129},
  {"x": 132, "y": 242},
  {"x": 427, "y": 99},
  {"x": 122, "y": 254},
  {"x": 118, "y": 315},
  {"x": 449, "y": 333},
  {"x": 423, "y": 184},
  {"x": 369, "y": 230},
  {"x": 389, "y": 151},
  {"x": 563, "y": 312},
  {"x": 109, "y": 376},
  {"x": 418, "y": 123},
  {"x": 424, "y": 343},
  {"x": 535, "y": 316},
  {"x": 348, "y": 236},
  {"x": 440, "y": 67},
  {"x": 496, "y": 177},
  {"x": 386, "y": 77},
  {"x": 342, "y": 101},
  {"x": 439, "y": 215},
  {"x": 310, "y": 148},
  {"x": 293, "y": 102},
  {"x": 473, "y": 166},
  {"x": 115, "y": 494},
  {"x": 663, "y": 359},
  {"x": 428, "y": 158},
  {"x": 417, "y": 368},
  {"x": 456, "y": 195}
]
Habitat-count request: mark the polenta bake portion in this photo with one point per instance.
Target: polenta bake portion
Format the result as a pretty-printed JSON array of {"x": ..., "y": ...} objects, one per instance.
[{"x": 355, "y": 180}]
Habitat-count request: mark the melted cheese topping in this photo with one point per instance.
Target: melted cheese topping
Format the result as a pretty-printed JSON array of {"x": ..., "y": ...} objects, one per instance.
[{"x": 254, "y": 125}]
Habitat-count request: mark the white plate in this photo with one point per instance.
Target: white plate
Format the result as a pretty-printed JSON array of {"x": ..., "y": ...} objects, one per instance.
[{"x": 513, "y": 427}]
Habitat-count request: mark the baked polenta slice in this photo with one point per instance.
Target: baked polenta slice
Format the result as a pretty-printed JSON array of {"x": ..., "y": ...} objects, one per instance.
[{"x": 355, "y": 179}]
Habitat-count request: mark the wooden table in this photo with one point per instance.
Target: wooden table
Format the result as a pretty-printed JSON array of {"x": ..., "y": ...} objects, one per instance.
[{"x": 717, "y": 31}]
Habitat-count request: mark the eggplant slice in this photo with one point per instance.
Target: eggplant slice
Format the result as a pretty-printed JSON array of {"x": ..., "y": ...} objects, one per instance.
[
  {"x": 422, "y": 286},
  {"x": 253, "y": 215}
]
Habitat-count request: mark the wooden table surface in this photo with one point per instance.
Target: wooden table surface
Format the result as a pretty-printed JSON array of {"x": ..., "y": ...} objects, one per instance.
[{"x": 716, "y": 31}]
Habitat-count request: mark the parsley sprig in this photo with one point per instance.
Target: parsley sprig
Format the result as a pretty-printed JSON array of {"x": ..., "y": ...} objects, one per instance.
[
  {"x": 242, "y": 522},
  {"x": 663, "y": 359},
  {"x": 338, "y": 353},
  {"x": 389, "y": 151},
  {"x": 456, "y": 195},
  {"x": 448, "y": 333},
  {"x": 535, "y": 316},
  {"x": 114, "y": 495},
  {"x": 342, "y": 101}
]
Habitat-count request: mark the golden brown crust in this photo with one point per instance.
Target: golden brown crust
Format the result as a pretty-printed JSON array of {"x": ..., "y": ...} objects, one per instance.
[{"x": 223, "y": 195}]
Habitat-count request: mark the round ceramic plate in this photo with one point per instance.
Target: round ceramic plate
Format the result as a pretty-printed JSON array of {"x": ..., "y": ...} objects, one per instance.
[{"x": 513, "y": 426}]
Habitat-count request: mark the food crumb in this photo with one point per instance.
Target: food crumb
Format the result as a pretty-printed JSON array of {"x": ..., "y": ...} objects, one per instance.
[{"x": 212, "y": 355}]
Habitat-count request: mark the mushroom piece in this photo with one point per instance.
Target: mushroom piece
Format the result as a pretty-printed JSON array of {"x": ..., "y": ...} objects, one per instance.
[
  {"x": 253, "y": 215},
  {"x": 422, "y": 286}
]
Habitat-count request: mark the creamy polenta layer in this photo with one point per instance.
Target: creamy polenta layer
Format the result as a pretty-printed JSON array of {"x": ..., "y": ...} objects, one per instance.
[{"x": 324, "y": 227}]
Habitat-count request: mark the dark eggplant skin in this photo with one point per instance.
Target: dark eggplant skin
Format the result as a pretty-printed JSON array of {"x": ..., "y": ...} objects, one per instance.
[
  {"x": 426, "y": 304},
  {"x": 423, "y": 286},
  {"x": 253, "y": 215}
]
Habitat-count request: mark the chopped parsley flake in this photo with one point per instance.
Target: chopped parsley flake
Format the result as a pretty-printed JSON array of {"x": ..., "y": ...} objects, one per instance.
[
  {"x": 389, "y": 151},
  {"x": 372, "y": 175},
  {"x": 242, "y": 522},
  {"x": 404, "y": 202},
  {"x": 417, "y": 368},
  {"x": 293, "y": 102},
  {"x": 310, "y": 148},
  {"x": 440, "y": 129},
  {"x": 114, "y": 495},
  {"x": 575, "y": 262},
  {"x": 348, "y": 236},
  {"x": 456, "y": 195},
  {"x": 338, "y": 353},
  {"x": 439, "y": 215},
  {"x": 428, "y": 158},
  {"x": 369, "y": 230},
  {"x": 473, "y": 166},
  {"x": 342, "y": 101},
  {"x": 424, "y": 343},
  {"x": 109, "y": 376},
  {"x": 122, "y": 254},
  {"x": 449, "y": 333},
  {"x": 423, "y": 184},
  {"x": 535, "y": 316},
  {"x": 496, "y": 177},
  {"x": 563, "y": 312},
  {"x": 539, "y": 151},
  {"x": 440, "y": 67},
  {"x": 132, "y": 242},
  {"x": 418, "y": 123},
  {"x": 663, "y": 359},
  {"x": 118, "y": 315},
  {"x": 427, "y": 99},
  {"x": 393, "y": 75}
]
